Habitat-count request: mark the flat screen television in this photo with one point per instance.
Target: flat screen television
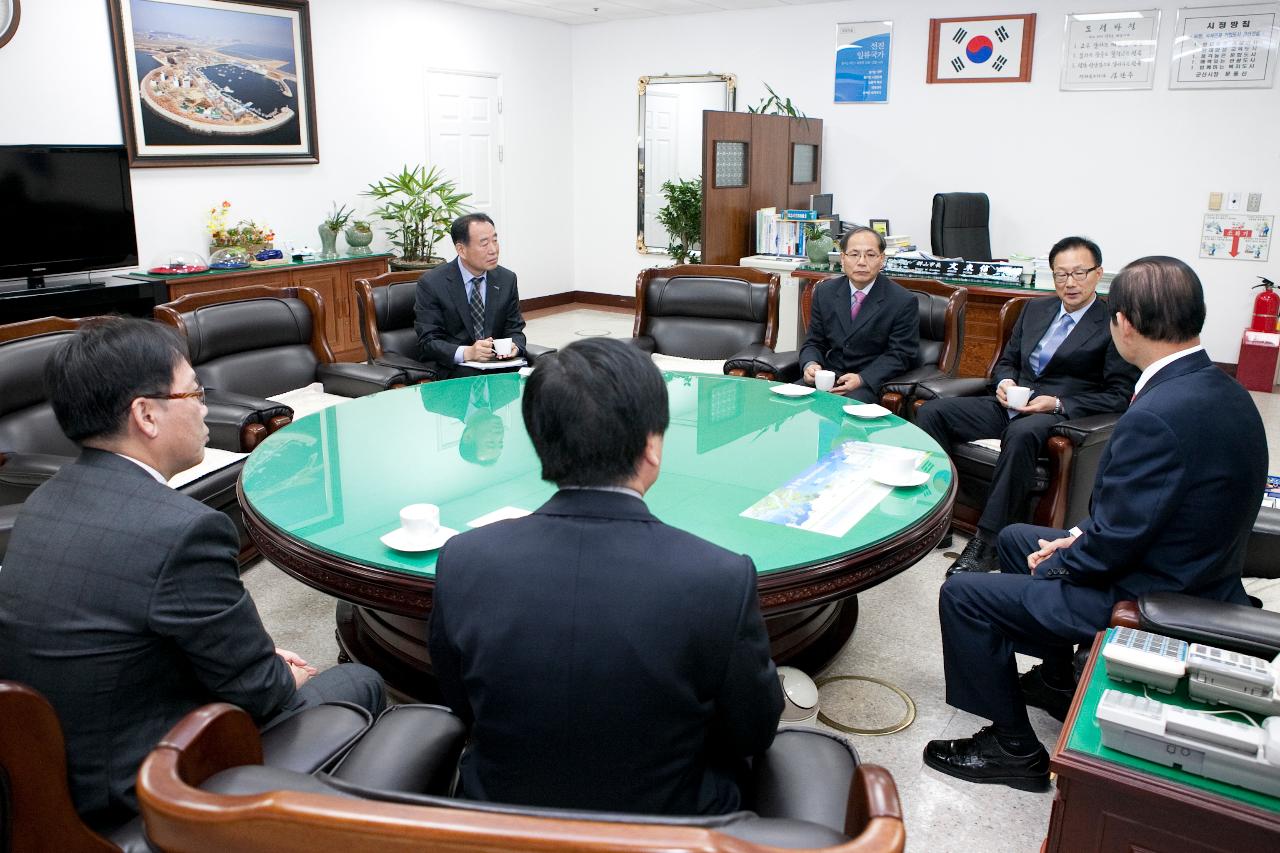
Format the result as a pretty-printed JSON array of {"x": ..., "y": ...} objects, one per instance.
[{"x": 64, "y": 209}]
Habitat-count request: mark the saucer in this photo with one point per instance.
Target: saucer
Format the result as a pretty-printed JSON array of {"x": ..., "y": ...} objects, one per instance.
[
  {"x": 912, "y": 478},
  {"x": 400, "y": 540},
  {"x": 866, "y": 410},
  {"x": 792, "y": 390},
  {"x": 525, "y": 371}
]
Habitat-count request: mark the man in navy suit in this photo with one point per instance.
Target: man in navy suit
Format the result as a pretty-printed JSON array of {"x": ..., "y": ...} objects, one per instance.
[
  {"x": 862, "y": 325},
  {"x": 606, "y": 660},
  {"x": 463, "y": 306},
  {"x": 1176, "y": 495},
  {"x": 1061, "y": 349}
]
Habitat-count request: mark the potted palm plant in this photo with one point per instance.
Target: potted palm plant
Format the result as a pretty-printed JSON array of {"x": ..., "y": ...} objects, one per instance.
[
  {"x": 419, "y": 204},
  {"x": 682, "y": 217}
]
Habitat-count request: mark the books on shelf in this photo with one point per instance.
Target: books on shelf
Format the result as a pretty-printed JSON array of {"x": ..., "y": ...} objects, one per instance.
[{"x": 783, "y": 233}]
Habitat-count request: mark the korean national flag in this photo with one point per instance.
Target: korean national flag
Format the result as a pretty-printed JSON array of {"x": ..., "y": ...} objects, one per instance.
[{"x": 979, "y": 49}]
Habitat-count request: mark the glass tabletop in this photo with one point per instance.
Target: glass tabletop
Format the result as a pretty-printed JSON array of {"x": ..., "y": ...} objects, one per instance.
[{"x": 338, "y": 478}]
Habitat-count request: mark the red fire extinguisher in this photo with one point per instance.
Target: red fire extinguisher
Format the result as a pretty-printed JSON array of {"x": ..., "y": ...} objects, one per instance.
[{"x": 1266, "y": 307}]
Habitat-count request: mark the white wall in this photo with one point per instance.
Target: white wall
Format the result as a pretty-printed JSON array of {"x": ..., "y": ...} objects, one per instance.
[
  {"x": 370, "y": 60},
  {"x": 1133, "y": 170}
]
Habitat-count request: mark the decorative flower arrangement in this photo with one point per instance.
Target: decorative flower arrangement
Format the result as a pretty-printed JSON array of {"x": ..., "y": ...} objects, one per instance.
[{"x": 246, "y": 232}]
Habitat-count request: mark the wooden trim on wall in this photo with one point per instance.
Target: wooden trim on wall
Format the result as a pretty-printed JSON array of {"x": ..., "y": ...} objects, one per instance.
[{"x": 587, "y": 297}]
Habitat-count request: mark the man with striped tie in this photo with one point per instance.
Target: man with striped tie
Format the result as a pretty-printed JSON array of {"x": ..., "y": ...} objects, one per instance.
[
  {"x": 1061, "y": 349},
  {"x": 463, "y": 306}
]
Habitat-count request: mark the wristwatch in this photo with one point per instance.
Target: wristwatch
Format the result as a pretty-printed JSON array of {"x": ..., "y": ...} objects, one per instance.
[{"x": 1057, "y": 405}]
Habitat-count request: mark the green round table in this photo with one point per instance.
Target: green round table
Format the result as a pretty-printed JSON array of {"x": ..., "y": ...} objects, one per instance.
[{"x": 318, "y": 495}]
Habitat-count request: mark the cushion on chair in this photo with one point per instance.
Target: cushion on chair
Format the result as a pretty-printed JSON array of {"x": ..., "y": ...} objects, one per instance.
[
  {"x": 27, "y": 423},
  {"x": 261, "y": 373},
  {"x": 410, "y": 748},
  {"x": 314, "y": 737},
  {"x": 805, "y": 775},
  {"x": 393, "y": 306},
  {"x": 933, "y": 326},
  {"x": 704, "y": 317},
  {"x": 219, "y": 330}
]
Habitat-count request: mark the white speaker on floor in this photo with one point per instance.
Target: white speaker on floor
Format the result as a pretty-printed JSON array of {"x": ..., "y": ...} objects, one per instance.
[{"x": 800, "y": 697}]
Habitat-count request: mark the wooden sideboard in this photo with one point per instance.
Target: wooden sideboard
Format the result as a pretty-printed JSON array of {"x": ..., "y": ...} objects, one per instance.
[
  {"x": 333, "y": 279},
  {"x": 981, "y": 316}
]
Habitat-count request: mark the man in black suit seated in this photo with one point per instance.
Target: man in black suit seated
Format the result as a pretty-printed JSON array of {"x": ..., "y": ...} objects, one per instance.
[
  {"x": 120, "y": 599},
  {"x": 1061, "y": 349},
  {"x": 862, "y": 325},
  {"x": 464, "y": 305},
  {"x": 1173, "y": 504},
  {"x": 605, "y": 660}
]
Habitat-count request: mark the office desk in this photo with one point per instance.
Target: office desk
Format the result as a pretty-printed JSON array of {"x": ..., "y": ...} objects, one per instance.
[
  {"x": 318, "y": 494},
  {"x": 1109, "y": 801}
]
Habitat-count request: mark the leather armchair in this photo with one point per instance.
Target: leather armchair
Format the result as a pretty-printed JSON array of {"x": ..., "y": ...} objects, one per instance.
[
  {"x": 1064, "y": 475},
  {"x": 258, "y": 341},
  {"x": 201, "y": 791},
  {"x": 707, "y": 311},
  {"x": 385, "y": 303},
  {"x": 1236, "y": 627},
  {"x": 960, "y": 227},
  {"x": 36, "y": 811},
  {"x": 33, "y": 447}
]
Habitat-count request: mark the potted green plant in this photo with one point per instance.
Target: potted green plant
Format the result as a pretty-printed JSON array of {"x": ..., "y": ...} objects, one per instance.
[
  {"x": 359, "y": 235},
  {"x": 682, "y": 217},
  {"x": 330, "y": 228},
  {"x": 419, "y": 204},
  {"x": 817, "y": 244}
]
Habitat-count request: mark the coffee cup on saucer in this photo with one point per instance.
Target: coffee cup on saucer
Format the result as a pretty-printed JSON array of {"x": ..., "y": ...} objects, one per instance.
[
  {"x": 503, "y": 347},
  {"x": 897, "y": 466},
  {"x": 419, "y": 529},
  {"x": 824, "y": 380},
  {"x": 1017, "y": 395}
]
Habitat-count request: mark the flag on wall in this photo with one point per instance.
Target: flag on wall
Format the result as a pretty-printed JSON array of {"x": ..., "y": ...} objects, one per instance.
[{"x": 981, "y": 49}]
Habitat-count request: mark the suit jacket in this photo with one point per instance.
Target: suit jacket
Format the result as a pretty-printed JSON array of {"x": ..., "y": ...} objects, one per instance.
[
  {"x": 120, "y": 601},
  {"x": 1086, "y": 373},
  {"x": 882, "y": 343},
  {"x": 442, "y": 316},
  {"x": 608, "y": 661},
  {"x": 1174, "y": 501}
]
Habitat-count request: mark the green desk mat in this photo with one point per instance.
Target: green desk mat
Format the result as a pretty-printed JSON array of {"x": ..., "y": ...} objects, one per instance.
[{"x": 1086, "y": 737}]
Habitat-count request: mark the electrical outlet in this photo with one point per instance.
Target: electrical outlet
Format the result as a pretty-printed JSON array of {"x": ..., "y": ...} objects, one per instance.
[
  {"x": 1255, "y": 202},
  {"x": 1235, "y": 201},
  {"x": 1215, "y": 201}
]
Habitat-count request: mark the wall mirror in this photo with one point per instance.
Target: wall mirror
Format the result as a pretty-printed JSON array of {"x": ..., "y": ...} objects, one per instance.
[{"x": 670, "y": 142}]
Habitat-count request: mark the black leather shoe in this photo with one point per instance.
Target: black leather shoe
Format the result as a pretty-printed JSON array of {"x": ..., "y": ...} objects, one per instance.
[
  {"x": 981, "y": 759},
  {"x": 945, "y": 542},
  {"x": 1038, "y": 693},
  {"x": 977, "y": 556}
]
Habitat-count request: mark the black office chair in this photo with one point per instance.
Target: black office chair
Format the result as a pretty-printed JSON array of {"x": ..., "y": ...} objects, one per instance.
[{"x": 961, "y": 226}]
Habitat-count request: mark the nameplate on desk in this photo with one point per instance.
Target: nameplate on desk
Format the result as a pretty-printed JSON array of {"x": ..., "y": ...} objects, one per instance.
[{"x": 991, "y": 271}]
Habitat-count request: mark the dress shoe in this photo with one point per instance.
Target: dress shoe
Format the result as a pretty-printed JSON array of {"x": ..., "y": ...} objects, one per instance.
[
  {"x": 981, "y": 758},
  {"x": 945, "y": 542},
  {"x": 1038, "y": 693},
  {"x": 977, "y": 556}
]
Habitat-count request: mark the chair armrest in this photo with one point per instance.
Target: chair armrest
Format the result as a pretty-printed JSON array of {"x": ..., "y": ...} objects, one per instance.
[
  {"x": 874, "y": 807},
  {"x": 414, "y": 371},
  {"x": 358, "y": 380},
  {"x": 749, "y": 361},
  {"x": 780, "y": 366},
  {"x": 1088, "y": 431},
  {"x": 1262, "y": 552},
  {"x": 1214, "y": 623},
  {"x": 8, "y": 515},
  {"x": 905, "y": 383},
  {"x": 23, "y": 473},
  {"x": 956, "y": 386},
  {"x": 533, "y": 352},
  {"x": 411, "y": 748},
  {"x": 238, "y": 428},
  {"x": 645, "y": 343}
]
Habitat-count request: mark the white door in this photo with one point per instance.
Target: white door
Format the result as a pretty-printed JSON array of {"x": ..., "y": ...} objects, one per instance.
[
  {"x": 464, "y": 136},
  {"x": 661, "y": 136}
]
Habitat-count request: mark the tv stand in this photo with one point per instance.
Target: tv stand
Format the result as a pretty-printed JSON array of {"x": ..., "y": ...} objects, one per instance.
[{"x": 21, "y": 300}]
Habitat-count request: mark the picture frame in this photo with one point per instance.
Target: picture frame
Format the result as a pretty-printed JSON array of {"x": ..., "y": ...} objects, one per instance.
[
  {"x": 1225, "y": 47},
  {"x": 1109, "y": 50},
  {"x": 215, "y": 82},
  {"x": 987, "y": 49},
  {"x": 880, "y": 226}
]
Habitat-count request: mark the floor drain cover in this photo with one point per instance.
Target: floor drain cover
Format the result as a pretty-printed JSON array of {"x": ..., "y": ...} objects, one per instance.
[
  {"x": 593, "y": 333},
  {"x": 875, "y": 701}
]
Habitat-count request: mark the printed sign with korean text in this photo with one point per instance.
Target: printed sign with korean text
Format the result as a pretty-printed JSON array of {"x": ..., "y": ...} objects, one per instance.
[
  {"x": 1110, "y": 50},
  {"x": 1226, "y": 47}
]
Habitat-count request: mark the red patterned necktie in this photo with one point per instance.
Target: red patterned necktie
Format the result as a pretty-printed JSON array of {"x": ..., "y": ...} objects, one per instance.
[{"x": 856, "y": 305}]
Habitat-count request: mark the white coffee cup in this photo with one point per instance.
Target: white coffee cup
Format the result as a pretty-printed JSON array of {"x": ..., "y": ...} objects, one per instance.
[
  {"x": 503, "y": 347},
  {"x": 1017, "y": 395},
  {"x": 824, "y": 380},
  {"x": 420, "y": 521},
  {"x": 897, "y": 465}
]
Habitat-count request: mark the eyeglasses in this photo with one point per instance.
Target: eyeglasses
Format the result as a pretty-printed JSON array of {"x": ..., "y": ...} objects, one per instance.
[
  {"x": 1078, "y": 275},
  {"x": 857, "y": 256},
  {"x": 198, "y": 394}
]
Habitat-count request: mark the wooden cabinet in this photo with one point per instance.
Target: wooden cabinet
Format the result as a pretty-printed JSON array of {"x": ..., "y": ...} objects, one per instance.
[{"x": 333, "y": 280}]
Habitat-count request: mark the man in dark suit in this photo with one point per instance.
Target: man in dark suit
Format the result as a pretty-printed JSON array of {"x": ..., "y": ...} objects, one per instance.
[
  {"x": 1061, "y": 349},
  {"x": 120, "y": 598},
  {"x": 1175, "y": 498},
  {"x": 862, "y": 325},
  {"x": 464, "y": 305},
  {"x": 606, "y": 660}
]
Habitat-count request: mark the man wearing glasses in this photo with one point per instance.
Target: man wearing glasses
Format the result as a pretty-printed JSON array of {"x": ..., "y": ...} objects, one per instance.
[
  {"x": 863, "y": 326},
  {"x": 1061, "y": 349},
  {"x": 120, "y": 599}
]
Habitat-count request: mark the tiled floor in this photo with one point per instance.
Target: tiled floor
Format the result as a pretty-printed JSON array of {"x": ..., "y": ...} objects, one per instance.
[{"x": 897, "y": 640}]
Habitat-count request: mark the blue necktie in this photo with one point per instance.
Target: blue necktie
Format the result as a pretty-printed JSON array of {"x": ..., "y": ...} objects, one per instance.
[{"x": 1049, "y": 343}]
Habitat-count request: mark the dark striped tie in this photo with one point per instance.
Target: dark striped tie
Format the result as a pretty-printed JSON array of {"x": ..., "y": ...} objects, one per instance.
[{"x": 477, "y": 307}]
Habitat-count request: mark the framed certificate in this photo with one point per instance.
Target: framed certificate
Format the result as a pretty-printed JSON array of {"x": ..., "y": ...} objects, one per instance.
[
  {"x": 993, "y": 49},
  {"x": 1225, "y": 47},
  {"x": 1110, "y": 50}
]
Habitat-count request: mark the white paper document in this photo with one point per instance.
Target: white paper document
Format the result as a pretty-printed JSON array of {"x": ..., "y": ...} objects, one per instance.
[
  {"x": 496, "y": 365},
  {"x": 498, "y": 515}
]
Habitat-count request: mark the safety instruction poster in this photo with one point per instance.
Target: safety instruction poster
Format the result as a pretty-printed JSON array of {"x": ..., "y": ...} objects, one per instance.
[{"x": 1237, "y": 236}]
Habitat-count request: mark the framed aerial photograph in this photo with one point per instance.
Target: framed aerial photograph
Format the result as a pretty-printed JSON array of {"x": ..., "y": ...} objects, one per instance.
[
  {"x": 215, "y": 83},
  {"x": 992, "y": 49}
]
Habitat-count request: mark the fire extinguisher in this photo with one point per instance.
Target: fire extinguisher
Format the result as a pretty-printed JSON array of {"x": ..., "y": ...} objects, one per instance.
[{"x": 1266, "y": 308}]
